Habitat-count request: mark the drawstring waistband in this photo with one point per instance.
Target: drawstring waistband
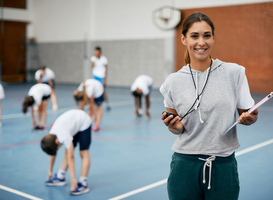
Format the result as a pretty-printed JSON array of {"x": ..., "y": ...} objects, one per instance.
[{"x": 208, "y": 162}]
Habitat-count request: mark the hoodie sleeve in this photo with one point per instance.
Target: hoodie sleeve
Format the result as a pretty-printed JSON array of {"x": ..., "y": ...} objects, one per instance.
[
  {"x": 245, "y": 100},
  {"x": 166, "y": 93}
]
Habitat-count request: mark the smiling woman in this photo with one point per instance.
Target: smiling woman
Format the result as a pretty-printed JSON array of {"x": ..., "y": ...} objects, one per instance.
[
  {"x": 205, "y": 110},
  {"x": 200, "y": 39}
]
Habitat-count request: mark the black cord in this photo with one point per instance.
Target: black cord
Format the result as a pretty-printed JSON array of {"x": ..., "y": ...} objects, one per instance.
[{"x": 197, "y": 98}]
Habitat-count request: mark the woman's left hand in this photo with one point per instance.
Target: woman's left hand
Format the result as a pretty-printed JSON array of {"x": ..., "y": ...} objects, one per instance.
[{"x": 246, "y": 118}]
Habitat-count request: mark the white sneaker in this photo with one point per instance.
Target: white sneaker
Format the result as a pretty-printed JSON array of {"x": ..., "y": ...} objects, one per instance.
[
  {"x": 80, "y": 190},
  {"x": 55, "y": 181}
]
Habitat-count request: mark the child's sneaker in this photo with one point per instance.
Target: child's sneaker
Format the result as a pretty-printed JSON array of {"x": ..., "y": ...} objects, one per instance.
[
  {"x": 80, "y": 190},
  {"x": 96, "y": 128},
  {"x": 55, "y": 181}
]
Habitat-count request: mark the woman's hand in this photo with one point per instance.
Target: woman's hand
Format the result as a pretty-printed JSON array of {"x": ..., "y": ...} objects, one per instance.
[
  {"x": 246, "y": 118},
  {"x": 174, "y": 124}
]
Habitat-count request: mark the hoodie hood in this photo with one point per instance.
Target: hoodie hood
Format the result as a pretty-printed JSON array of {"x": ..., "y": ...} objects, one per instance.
[
  {"x": 215, "y": 64},
  {"x": 198, "y": 92}
]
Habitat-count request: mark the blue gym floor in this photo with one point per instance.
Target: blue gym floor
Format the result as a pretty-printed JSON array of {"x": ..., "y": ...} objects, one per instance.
[{"x": 126, "y": 154}]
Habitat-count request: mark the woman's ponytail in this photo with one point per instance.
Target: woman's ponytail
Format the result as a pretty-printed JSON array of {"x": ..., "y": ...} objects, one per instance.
[{"x": 187, "y": 57}]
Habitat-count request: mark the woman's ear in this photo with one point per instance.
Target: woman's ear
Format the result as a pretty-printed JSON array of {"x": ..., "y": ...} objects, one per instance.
[{"x": 183, "y": 40}]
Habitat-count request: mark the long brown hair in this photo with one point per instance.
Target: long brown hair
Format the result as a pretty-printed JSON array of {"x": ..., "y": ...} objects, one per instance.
[
  {"x": 194, "y": 17},
  {"x": 29, "y": 101}
]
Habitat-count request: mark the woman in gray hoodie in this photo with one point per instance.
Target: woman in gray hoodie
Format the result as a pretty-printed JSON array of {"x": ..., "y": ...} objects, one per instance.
[{"x": 205, "y": 95}]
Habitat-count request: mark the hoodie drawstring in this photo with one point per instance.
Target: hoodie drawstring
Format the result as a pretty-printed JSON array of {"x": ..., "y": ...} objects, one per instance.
[
  {"x": 208, "y": 163},
  {"x": 200, "y": 96}
]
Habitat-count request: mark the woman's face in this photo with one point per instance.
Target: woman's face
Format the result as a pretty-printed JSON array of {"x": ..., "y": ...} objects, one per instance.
[{"x": 199, "y": 41}]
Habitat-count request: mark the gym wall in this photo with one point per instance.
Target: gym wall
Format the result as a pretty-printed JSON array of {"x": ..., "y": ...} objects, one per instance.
[
  {"x": 123, "y": 29},
  {"x": 244, "y": 36},
  {"x": 67, "y": 32}
]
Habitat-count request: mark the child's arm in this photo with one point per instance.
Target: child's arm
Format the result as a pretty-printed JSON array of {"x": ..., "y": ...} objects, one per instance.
[
  {"x": 51, "y": 163},
  {"x": 32, "y": 116},
  {"x": 71, "y": 165}
]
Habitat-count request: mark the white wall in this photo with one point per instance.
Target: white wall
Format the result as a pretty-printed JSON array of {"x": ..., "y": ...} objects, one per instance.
[
  {"x": 61, "y": 20},
  {"x": 127, "y": 19},
  {"x": 13, "y": 14},
  {"x": 70, "y": 20},
  {"x": 132, "y": 19},
  {"x": 124, "y": 29}
]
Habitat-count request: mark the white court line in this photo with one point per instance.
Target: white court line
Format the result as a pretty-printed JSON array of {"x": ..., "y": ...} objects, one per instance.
[
  {"x": 165, "y": 180},
  {"x": 257, "y": 146},
  {"x": 19, "y": 193},
  {"x": 139, "y": 190}
]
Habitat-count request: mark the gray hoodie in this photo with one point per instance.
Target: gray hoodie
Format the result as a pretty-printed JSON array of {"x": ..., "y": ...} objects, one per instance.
[{"x": 217, "y": 110}]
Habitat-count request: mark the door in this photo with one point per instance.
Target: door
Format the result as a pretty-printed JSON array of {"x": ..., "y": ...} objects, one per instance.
[{"x": 13, "y": 51}]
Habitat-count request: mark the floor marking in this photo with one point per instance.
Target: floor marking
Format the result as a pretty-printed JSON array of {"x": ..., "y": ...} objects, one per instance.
[
  {"x": 95, "y": 137},
  {"x": 140, "y": 190},
  {"x": 131, "y": 139},
  {"x": 165, "y": 180},
  {"x": 19, "y": 144},
  {"x": 257, "y": 146},
  {"x": 20, "y": 115},
  {"x": 19, "y": 193},
  {"x": 130, "y": 125}
]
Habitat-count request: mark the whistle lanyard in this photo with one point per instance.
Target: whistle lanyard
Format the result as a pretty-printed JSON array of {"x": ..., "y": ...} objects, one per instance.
[{"x": 198, "y": 96}]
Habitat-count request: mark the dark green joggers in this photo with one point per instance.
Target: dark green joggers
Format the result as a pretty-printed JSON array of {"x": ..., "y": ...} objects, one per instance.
[{"x": 185, "y": 181}]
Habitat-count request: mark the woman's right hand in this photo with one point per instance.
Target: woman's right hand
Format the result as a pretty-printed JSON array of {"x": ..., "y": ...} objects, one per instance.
[{"x": 174, "y": 124}]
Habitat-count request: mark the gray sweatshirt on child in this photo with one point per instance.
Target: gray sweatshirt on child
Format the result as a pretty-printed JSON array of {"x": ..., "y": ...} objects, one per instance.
[{"x": 217, "y": 109}]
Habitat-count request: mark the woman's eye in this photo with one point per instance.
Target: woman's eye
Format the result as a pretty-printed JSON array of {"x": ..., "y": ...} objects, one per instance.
[
  {"x": 194, "y": 36},
  {"x": 207, "y": 36}
]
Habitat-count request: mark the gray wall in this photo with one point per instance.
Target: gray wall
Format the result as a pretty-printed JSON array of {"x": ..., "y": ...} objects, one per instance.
[
  {"x": 65, "y": 59},
  {"x": 127, "y": 59}
]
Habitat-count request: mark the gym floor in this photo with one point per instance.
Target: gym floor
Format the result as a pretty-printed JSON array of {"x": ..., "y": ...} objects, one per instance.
[{"x": 130, "y": 157}]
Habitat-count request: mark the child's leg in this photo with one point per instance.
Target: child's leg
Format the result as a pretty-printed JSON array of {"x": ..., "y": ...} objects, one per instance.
[
  {"x": 44, "y": 105},
  {"x": 136, "y": 105},
  {"x": 39, "y": 113},
  {"x": 64, "y": 164},
  {"x": 85, "y": 162},
  {"x": 63, "y": 168},
  {"x": 85, "y": 141},
  {"x": 99, "y": 115}
]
